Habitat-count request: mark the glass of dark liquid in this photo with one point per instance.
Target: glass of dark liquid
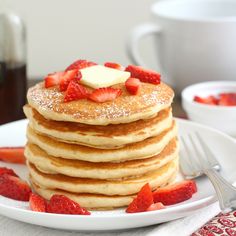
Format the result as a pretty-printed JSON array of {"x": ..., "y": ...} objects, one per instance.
[{"x": 13, "y": 79}]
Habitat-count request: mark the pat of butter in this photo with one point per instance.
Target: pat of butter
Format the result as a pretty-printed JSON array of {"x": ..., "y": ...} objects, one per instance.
[{"x": 100, "y": 76}]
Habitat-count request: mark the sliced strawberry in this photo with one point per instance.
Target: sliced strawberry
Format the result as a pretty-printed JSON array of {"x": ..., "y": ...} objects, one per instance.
[
  {"x": 37, "y": 203},
  {"x": 12, "y": 154},
  {"x": 156, "y": 206},
  {"x": 144, "y": 75},
  {"x": 133, "y": 85},
  {"x": 75, "y": 91},
  {"x": 61, "y": 204},
  {"x": 114, "y": 65},
  {"x": 67, "y": 76},
  {"x": 52, "y": 79},
  {"x": 105, "y": 94},
  {"x": 143, "y": 200},
  {"x": 210, "y": 100},
  {"x": 13, "y": 187},
  {"x": 4, "y": 170},
  {"x": 80, "y": 64},
  {"x": 175, "y": 193},
  {"x": 227, "y": 99},
  {"x": 133, "y": 207}
]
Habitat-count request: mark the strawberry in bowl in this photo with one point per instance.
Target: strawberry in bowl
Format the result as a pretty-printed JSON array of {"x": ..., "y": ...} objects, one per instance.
[{"x": 213, "y": 104}]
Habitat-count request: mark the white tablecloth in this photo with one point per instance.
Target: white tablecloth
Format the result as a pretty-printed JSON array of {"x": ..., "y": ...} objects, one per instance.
[{"x": 181, "y": 227}]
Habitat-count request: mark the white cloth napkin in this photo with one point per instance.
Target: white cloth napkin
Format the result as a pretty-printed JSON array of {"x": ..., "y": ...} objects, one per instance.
[{"x": 182, "y": 227}]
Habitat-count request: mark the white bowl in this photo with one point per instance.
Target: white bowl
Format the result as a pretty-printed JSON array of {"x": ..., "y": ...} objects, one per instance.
[{"x": 219, "y": 117}]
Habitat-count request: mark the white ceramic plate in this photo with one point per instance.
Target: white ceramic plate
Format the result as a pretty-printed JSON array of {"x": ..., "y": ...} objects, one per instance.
[{"x": 13, "y": 134}]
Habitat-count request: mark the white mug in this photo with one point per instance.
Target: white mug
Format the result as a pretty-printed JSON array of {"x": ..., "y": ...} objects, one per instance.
[{"x": 195, "y": 40}]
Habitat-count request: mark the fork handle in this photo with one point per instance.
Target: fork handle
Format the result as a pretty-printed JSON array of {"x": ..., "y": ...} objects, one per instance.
[{"x": 226, "y": 192}]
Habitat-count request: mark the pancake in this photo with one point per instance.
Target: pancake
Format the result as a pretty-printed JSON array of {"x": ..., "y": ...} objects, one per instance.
[
  {"x": 88, "y": 200},
  {"x": 104, "y": 170},
  {"x": 110, "y": 136},
  {"x": 124, "y": 109},
  {"x": 140, "y": 150},
  {"x": 106, "y": 187}
]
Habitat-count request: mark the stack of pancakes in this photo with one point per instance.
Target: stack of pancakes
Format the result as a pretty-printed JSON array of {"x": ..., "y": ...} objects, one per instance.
[{"x": 100, "y": 154}]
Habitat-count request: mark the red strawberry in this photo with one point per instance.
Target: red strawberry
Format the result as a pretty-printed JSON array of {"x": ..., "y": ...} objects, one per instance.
[
  {"x": 75, "y": 91},
  {"x": 227, "y": 99},
  {"x": 37, "y": 203},
  {"x": 12, "y": 154},
  {"x": 210, "y": 100},
  {"x": 143, "y": 200},
  {"x": 67, "y": 77},
  {"x": 144, "y": 75},
  {"x": 114, "y": 65},
  {"x": 13, "y": 187},
  {"x": 52, "y": 79},
  {"x": 133, "y": 85},
  {"x": 156, "y": 206},
  {"x": 61, "y": 204},
  {"x": 4, "y": 170},
  {"x": 105, "y": 94},
  {"x": 80, "y": 64},
  {"x": 133, "y": 207},
  {"x": 175, "y": 193}
]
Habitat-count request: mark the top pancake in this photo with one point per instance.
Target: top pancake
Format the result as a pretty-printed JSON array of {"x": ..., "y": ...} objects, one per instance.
[{"x": 124, "y": 109}]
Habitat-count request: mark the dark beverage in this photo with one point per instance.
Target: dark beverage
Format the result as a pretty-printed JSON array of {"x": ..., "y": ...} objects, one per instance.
[{"x": 13, "y": 85}]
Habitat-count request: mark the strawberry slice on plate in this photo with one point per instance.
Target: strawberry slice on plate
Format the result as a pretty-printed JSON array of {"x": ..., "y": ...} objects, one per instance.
[
  {"x": 210, "y": 100},
  {"x": 105, "y": 94},
  {"x": 114, "y": 65},
  {"x": 14, "y": 188},
  {"x": 175, "y": 193},
  {"x": 133, "y": 85},
  {"x": 60, "y": 204},
  {"x": 37, "y": 203},
  {"x": 144, "y": 75},
  {"x": 143, "y": 200},
  {"x": 67, "y": 77},
  {"x": 4, "y": 170},
  {"x": 80, "y": 64},
  {"x": 75, "y": 91},
  {"x": 12, "y": 154},
  {"x": 53, "y": 79},
  {"x": 227, "y": 99},
  {"x": 156, "y": 206}
]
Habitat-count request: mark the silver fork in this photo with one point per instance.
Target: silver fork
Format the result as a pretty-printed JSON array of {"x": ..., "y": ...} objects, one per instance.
[{"x": 196, "y": 159}]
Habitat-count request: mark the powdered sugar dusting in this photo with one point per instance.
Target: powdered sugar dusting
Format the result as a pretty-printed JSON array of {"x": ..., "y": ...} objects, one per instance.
[{"x": 49, "y": 102}]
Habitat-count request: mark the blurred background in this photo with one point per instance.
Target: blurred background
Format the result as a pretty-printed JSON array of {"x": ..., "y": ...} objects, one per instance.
[{"x": 59, "y": 32}]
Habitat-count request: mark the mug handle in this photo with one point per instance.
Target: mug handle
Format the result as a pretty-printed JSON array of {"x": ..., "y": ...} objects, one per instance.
[{"x": 137, "y": 34}]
